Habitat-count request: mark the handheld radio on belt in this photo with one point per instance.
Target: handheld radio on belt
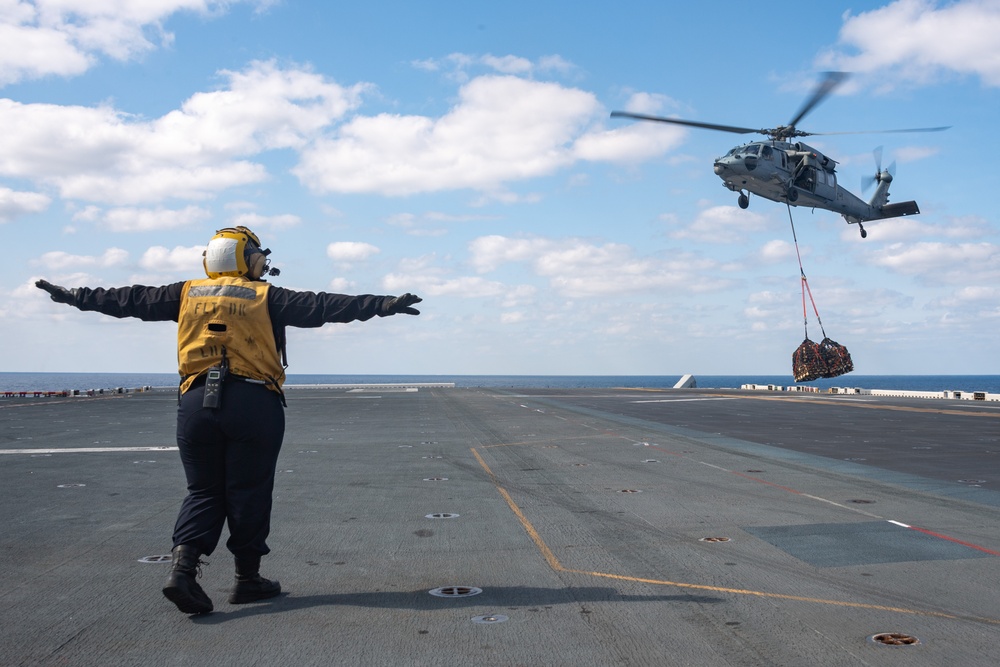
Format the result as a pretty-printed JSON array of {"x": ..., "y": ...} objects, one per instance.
[{"x": 213, "y": 383}]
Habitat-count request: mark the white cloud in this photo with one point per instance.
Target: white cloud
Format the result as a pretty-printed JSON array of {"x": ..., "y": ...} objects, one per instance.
[
  {"x": 105, "y": 155},
  {"x": 976, "y": 295},
  {"x": 350, "y": 251},
  {"x": 490, "y": 252},
  {"x": 648, "y": 103},
  {"x": 942, "y": 263},
  {"x": 457, "y": 66},
  {"x": 57, "y": 260},
  {"x": 578, "y": 268},
  {"x": 777, "y": 251},
  {"x": 913, "y": 229},
  {"x": 128, "y": 219},
  {"x": 768, "y": 310},
  {"x": 433, "y": 284},
  {"x": 503, "y": 128},
  {"x": 341, "y": 286},
  {"x": 177, "y": 260},
  {"x": 14, "y": 204},
  {"x": 255, "y": 221},
  {"x": 635, "y": 142},
  {"x": 66, "y": 37},
  {"x": 508, "y": 64},
  {"x": 722, "y": 224},
  {"x": 917, "y": 40},
  {"x": 914, "y": 153}
]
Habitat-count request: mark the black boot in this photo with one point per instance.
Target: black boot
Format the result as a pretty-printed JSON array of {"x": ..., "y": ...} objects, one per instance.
[
  {"x": 181, "y": 588},
  {"x": 250, "y": 586}
]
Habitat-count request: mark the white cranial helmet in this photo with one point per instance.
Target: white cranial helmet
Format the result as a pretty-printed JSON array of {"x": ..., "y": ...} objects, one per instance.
[{"x": 236, "y": 252}]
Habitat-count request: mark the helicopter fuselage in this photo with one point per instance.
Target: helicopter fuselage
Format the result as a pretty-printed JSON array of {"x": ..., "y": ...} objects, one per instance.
[{"x": 800, "y": 175}]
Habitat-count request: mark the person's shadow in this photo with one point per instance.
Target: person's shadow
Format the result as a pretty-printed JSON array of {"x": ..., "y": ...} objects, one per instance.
[{"x": 500, "y": 597}]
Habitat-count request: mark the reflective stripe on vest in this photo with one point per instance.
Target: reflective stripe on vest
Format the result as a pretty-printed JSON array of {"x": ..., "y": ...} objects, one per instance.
[{"x": 230, "y": 313}]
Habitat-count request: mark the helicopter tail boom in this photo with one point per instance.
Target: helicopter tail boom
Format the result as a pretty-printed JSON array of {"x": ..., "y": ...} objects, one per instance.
[{"x": 898, "y": 210}]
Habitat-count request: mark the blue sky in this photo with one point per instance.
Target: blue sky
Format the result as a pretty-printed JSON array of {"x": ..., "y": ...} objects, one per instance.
[{"x": 464, "y": 152}]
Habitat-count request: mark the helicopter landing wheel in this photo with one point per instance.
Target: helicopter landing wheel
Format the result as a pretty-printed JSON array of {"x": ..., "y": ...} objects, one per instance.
[
  {"x": 743, "y": 201},
  {"x": 864, "y": 234}
]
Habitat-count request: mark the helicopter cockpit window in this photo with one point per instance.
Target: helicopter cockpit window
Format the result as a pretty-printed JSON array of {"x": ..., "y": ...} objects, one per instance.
[
  {"x": 752, "y": 149},
  {"x": 765, "y": 152}
]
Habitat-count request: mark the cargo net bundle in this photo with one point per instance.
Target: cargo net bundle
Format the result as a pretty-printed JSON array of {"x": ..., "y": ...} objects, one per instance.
[
  {"x": 811, "y": 360},
  {"x": 826, "y": 359}
]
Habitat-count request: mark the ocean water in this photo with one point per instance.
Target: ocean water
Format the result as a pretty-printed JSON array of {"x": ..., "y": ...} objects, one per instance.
[{"x": 83, "y": 381}]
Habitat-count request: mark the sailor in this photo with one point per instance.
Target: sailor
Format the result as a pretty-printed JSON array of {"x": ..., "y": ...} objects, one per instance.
[{"x": 230, "y": 416}]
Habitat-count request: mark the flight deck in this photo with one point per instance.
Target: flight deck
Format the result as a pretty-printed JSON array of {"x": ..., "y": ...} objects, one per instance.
[{"x": 452, "y": 526}]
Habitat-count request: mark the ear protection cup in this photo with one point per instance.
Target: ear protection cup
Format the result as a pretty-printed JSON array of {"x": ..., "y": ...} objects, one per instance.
[
  {"x": 235, "y": 251},
  {"x": 256, "y": 264}
]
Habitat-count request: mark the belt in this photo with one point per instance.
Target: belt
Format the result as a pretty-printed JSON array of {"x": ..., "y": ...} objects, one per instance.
[
  {"x": 240, "y": 378},
  {"x": 200, "y": 380}
]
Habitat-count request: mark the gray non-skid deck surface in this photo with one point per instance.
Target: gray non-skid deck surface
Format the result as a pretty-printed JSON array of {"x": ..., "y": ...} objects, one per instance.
[{"x": 582, "y": 518}]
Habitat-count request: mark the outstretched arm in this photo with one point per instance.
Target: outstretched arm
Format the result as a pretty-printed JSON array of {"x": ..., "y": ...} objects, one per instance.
[
  {"x": 153, "y": 304},
  {"x": 314, "y": 309}
]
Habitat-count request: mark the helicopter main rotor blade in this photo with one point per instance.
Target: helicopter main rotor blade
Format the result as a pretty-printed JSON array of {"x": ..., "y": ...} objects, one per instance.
[
  {"x": 912, "y": 129},
  {"x": 830, "y": 81},
  {"x": 691, "y": 123}
]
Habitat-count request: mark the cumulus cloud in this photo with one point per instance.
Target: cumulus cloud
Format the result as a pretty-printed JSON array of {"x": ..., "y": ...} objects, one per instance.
[
  {"x": 912, "y": 229},
  {"x": 14, "y": 204},
  {"x": 255, "y": 221},
  {"x": 980, "y": 296},
  {"x": 918, "y": 40},
  {"x": 101, "y": 154},
  {"x": 502, "y": 128},
  {"x": 722, "y": 224},
  {"x": 179, "y": 259},
  {"x": 632, "y": 143},
  {"x": 938, "y": 262},
  {"x": 571, "y": 268},
  {"x": 776, "y": 251},
  {"x": 131, "y": 219},
  {"x": 769, "y": 310},
  {"x": 341, "y": 286},
  {"x": 58, "y": 260},
  {"x": 429, "y": 284},
  {"x": 457, "y": 66},
  {"x": 66, "y": 37},
  {"x": 350, "y": 251},
  {"x": 425, "y": 276},
  {"x": 578, "y": 268}
]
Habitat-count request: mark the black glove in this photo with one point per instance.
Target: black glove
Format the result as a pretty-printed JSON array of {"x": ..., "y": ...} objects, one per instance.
[
  {"x": 400, "y": 304},
  {"x": 58, "y": 294}
]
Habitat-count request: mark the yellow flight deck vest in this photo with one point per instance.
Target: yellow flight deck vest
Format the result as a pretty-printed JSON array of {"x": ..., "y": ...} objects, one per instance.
[{"x": 231, "y": 313}]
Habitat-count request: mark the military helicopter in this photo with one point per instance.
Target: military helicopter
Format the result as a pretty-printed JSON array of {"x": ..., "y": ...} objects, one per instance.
[{"x": 784, "y": 170}]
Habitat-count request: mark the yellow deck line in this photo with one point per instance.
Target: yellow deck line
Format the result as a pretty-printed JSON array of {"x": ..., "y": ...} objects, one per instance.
[{"x": 557, "y": 566}]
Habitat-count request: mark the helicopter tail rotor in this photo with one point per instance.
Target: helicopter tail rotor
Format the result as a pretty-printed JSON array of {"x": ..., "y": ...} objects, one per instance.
[{"x": 868, "y": 181}]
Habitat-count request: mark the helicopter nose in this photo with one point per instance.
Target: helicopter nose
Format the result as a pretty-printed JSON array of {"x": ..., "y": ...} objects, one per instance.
[{"x": 719, "y": 169}]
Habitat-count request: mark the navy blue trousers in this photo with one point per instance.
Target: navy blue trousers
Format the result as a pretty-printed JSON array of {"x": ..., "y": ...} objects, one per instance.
[{"x": 229, "y": 455}]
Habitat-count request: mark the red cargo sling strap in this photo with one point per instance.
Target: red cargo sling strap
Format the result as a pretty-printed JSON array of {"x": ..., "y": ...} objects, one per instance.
[{"x": 811, "y": 361}]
